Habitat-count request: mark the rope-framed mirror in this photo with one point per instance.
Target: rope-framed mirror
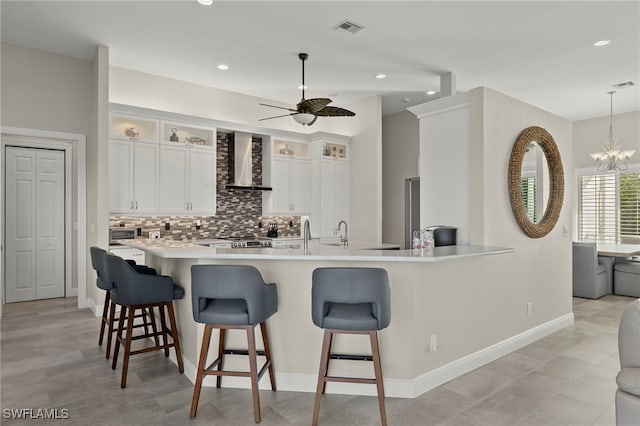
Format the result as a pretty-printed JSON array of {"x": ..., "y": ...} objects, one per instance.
[{"x": 556, "y": 181}]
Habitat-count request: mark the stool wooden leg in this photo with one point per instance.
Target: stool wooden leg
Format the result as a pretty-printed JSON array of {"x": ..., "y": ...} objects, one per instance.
[
  {"x": 253, "y": 368},
  {"x": 267, "y": 354},
  {"x": 123, "y": 311},
  {"x": 105, "y": 320},
  {"x": 127, "y": 345},
  {"x": 322, "y": 374},
  {"x": 163, "y": 326},
  {"x": 326, "y": 372},
  {"x": 377, "y": 368},
  {"x": 145, "y": 320},
  {"x": 176, "y": 338},
  {"x": 112, "y": 314},
  {"x": 154, "y": 328},
  {"x": 204, "y": 350},
  {"x": 220, "y": 367}
]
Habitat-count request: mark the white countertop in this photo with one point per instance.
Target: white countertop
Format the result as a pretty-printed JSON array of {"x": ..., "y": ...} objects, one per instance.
[{"x": 357, "y": 251}]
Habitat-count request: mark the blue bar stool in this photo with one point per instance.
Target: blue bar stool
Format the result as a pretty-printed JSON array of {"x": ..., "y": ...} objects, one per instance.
[
  {"x": 109, "y": 308},
  {"x": 232, "y": 297},
  {"x": 134, "y": 291},
  {"x": 350, "y": 301}
]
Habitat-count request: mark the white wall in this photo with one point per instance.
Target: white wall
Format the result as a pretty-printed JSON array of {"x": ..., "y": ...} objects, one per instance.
[
  {"x": 539, "y": 270},
  {"x": 366, "y": 172},
  {"x": 590, "y": 136},
  {"x": 47, "y": 91},
  {"x": 400, "y": 135},
  {"x": 445, "y": 164}
]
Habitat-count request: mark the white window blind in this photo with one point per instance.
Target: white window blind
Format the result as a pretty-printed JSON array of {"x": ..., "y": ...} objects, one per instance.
[
  {"x": 608, "y": 206},
  {"x": 629, "y": 204},
  {"x": 528, "y": 186}
]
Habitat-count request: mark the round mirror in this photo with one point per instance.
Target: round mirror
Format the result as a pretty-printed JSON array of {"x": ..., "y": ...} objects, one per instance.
[{"x": 536, "y": 182}]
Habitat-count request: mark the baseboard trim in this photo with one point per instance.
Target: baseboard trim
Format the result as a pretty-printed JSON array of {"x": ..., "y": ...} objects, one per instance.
[
  {"x": 457, "y": 368},
  {"x": 91, "y": 304},
  {"x": 397, "y": 388}
]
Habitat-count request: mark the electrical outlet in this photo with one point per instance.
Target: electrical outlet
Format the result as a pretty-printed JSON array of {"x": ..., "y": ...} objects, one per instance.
[
  {"x": 167, "y": 226},
  {"x": 154, "y": 235},
  {"x": 565, "y": 231},
  {"x": 529, "y": 308},
  {"x": 433, "y": 343}
]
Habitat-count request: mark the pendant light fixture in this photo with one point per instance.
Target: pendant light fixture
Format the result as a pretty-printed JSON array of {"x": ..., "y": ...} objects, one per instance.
[{"x": 612, "y": 157}]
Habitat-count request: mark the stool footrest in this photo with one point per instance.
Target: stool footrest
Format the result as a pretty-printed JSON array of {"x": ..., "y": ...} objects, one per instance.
[
  {"x": 348, "y": 379},
  {"x": 241, "y": 352},
  {"x": 209, "y": 371},
  {"x": 352, "y": 357}
]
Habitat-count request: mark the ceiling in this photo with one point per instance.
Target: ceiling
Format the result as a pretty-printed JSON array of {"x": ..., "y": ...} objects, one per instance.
[{"x": 539, "y": 52}]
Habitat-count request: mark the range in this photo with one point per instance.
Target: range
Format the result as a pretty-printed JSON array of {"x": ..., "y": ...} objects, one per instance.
[{"x": 247, "y": 241}]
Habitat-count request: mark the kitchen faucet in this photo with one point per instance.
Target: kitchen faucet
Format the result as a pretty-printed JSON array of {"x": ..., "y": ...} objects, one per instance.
[
  {"x": 307, "y": 235},
  {"x": 344, "y": 238}
]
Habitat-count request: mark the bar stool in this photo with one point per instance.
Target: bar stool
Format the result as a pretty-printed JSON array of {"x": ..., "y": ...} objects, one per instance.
[
  {"x": 134, "y": 291},
  {"x": 232, "y": 297},
  {"x": 108, "y": 310},
  {"x": 350, "y": 301}
]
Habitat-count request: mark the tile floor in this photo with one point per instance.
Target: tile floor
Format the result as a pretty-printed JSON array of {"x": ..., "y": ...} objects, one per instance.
[{"x": 50, "y": 359}]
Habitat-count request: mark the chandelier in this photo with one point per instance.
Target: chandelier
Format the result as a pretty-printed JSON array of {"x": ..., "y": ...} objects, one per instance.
[{"x": 612, "y": 157}]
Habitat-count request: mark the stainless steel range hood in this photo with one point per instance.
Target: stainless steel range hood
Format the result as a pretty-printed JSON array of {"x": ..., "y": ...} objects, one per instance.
[{"x": 241, "y": 164}]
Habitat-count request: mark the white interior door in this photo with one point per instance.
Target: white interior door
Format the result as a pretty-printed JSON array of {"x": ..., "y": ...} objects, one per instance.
[{"x": 35, "y": 259}]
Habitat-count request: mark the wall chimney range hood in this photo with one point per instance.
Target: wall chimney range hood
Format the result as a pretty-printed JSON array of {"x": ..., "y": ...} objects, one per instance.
[{"x": 241, "y": 164}]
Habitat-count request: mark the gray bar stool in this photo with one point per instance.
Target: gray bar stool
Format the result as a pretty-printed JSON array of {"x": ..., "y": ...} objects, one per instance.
[
  {"x": 350, "y": 301},
  {"x": 232, "y": 297},
  {"x": 134, "y": 291},
  {"x": 109, "y": 308}
]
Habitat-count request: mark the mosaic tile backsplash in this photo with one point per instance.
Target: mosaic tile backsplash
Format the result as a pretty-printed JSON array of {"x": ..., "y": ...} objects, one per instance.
[{"x": 238, "y": 213}]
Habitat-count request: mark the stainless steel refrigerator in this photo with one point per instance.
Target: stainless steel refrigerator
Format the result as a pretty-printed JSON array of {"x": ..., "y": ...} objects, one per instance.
[{"x": 411, "y": 209}]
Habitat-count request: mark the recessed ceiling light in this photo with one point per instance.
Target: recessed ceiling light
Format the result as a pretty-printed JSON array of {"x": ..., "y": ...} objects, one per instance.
[
  {"x": 302, "y": 87},
  {"x": 431, "y": 92},
  {"x": 380, "y": 76},
  {"x": 205, "y": 2},
  {"x": 223, "y": 67},
  {"x": 601, "y": 43}
]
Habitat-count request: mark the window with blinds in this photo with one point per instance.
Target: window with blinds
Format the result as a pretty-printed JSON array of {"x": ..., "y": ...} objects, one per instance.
[
  {"x": 608, "y": 206},
  {"x": 529, "y": 193}
]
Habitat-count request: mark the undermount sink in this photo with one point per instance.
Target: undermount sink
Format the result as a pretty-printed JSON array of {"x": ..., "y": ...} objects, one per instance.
[{"x": 333, "y": 244}]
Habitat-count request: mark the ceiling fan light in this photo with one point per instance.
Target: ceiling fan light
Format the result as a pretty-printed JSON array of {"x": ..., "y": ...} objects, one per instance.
[{"x": 303, "y": 118}]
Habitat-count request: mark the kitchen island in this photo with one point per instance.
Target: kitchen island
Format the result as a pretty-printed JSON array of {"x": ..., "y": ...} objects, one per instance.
[{"x": 445, "y": 312}]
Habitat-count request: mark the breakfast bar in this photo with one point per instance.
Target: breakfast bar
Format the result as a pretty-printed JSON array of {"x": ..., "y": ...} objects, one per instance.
[{"x": 430, "y": 295}]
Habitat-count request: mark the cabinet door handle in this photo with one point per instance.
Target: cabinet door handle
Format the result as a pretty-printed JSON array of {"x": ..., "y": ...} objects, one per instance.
[
  {"x": 136, "y": 205},
  {"x": 131, "y": 207},
  {"x": 187, "y": 208}
]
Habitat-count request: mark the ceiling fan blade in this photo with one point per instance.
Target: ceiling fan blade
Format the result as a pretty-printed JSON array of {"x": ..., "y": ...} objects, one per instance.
[
  {"x": 275, "y": 106},
  {"x": 313, "y": 105},
  {"x": 278, "y": 116},
  {"x": 331, "y": 111}
]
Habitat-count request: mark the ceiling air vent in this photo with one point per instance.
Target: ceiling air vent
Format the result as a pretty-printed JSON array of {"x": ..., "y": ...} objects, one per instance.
[
  {"x": 623, "y": 85},
  {"x": 349, "y": 26}
]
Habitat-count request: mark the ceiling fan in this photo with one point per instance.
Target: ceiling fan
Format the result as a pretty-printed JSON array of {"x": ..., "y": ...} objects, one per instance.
[{"x": 308, "y": 110}]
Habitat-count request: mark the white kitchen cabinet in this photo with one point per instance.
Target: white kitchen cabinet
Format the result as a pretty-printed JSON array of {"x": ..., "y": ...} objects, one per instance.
[
  {"x": 334, "y": 195},
  {"x": 133, "y": 177},
  {"x": 290, "y": 180},
  {"x": 187, "y": 179},
  {"x": 129, "y": 253}
]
